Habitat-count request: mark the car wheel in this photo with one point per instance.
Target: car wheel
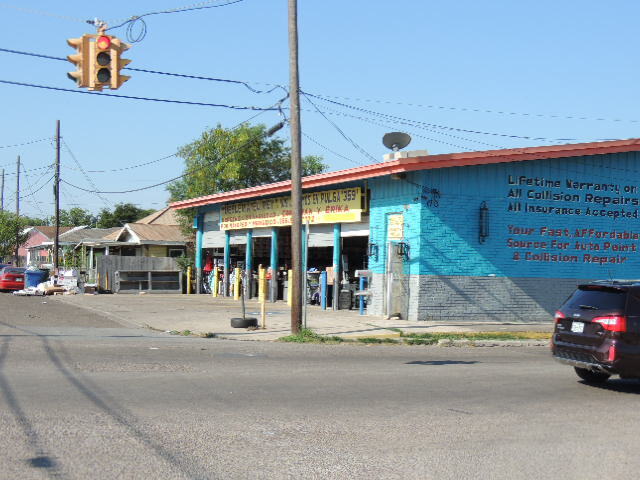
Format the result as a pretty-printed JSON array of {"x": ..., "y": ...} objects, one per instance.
[
  {"x": 246, "y": 322},
  {"x": 590, "y": 376}
]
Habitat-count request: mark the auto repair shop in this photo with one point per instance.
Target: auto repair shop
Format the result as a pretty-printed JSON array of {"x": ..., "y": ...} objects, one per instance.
[{"x": 492, "y": 235}]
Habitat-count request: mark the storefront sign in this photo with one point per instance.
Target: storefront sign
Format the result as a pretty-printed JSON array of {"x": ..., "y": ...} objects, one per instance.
[
  {"x": 395, "y": 227},
  {"x": 331, "y": 206}
]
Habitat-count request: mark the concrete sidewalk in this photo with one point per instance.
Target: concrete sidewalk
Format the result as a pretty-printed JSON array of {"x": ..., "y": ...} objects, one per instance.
[{"x": 204, "y": 314}]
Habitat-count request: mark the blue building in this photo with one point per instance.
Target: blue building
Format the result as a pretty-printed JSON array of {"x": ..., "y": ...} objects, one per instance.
[{"x": 493, "y": 235}]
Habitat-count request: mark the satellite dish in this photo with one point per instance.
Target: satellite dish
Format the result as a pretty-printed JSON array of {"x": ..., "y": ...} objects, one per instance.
[{"x": 396, "y": 140}]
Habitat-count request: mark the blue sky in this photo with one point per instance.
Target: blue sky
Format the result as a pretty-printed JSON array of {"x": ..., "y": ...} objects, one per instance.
[{"x": 440, "y": 71}]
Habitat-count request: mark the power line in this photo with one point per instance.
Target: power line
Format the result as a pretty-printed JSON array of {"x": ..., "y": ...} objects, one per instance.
[
  {"x": 341, "y": 132},
  {"x": 41, "y": 13},
  {"x": 482, "y": 110},
  {"x": 245, "y": 83},
  {"x": 86, "y": 176},
  {"x": 432, "y": 125},
  {"x": 131, "y": 167},
  {"x": 131, "y": 97},
  {"x": 241, "y": 146},
  {"x": 25, "y": 143},
  {"x": 308, "y": 137},
  {"x": 139, "y": 18},
  {"x": 36, "y": 202},
  {"x": 41, "y": 187}
]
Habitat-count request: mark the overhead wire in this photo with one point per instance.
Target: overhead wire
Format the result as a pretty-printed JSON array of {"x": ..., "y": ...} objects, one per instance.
[
  {"x": 131, "y": 97},
  {"x": 432, "y": 125},
  {"x": 35, "y": 202},
  {"x": 482, "y": 110},
  {"x": 132, "y": 21},
  {"x": 245, "y": 83},
  {"x": 84, "y": 173},
  {"x": 309, "y": 137},
  {"x": 165, "y": 182},
  {"x": 340, "y": 131},
  {"x": 25, "y": 143}
]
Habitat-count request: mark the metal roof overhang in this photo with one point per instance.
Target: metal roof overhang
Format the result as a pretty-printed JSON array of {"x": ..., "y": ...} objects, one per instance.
[{"x": 426, "y": 162}]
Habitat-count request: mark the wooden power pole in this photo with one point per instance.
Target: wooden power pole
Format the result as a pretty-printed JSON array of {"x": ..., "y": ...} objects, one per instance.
[
  {"x": 17, "y": 259},
  {"x": 2, "y": 193},
  {"x": 57, "y": 202},
  {"x": 295, "y": 283}
]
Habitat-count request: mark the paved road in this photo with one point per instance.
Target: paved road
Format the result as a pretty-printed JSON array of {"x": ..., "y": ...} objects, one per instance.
[{"x": 83, "y": 397}]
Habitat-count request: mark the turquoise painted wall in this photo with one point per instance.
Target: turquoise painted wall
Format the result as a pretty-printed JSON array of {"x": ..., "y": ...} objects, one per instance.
[{"x": 558, "y": 218}]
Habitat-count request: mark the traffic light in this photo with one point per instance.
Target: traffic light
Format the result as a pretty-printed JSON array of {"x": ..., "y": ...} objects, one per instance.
[
  {"x": 118, "y": 63},
  {"x": 80, "y": 59},
  {"x": 100, "y": 63}
]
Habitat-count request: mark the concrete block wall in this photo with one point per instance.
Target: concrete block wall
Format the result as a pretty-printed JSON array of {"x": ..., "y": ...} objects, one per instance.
[{"x": 479, "y": 299}]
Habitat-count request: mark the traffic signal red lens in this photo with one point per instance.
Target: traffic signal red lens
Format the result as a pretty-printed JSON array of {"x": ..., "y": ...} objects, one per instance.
[{"x": 103, "y": 42}]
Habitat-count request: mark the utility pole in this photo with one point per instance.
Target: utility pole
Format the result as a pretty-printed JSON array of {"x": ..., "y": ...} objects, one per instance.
[
  {"x": 295, "y": 283},
  {"x": 17, "y": 263},
  {"x": 57, "y": 202},
  {"x": 2, "y": 193}
]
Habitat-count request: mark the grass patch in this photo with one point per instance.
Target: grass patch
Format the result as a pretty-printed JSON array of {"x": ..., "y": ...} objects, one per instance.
[
  {"x": 208, "y": 335},
  {"x": 378, "y": 340},
  {"x": 186, "y": 333},
  {"x": 307, "y": 335},
  {"x": 429, "y": 338}
]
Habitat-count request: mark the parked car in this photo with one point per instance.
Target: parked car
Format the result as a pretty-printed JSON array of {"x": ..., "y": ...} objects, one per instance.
[
  {"x": 12, "y": 278},
  {"x": 597, "y": 330}
]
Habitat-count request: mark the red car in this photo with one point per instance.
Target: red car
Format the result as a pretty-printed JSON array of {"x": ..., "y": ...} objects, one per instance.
[{"x": 12, "y": 278}]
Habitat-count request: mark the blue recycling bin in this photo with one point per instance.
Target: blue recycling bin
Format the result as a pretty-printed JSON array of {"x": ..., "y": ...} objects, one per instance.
[{"x": 35, "y": 277}]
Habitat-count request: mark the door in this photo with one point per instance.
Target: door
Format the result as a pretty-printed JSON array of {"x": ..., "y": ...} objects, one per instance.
[{"x": 397, "y": 294}]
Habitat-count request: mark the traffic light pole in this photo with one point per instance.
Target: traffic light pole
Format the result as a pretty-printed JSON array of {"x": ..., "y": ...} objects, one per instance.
[
  {"x": 56, "y": 240},
  {"x": 295, "y": 283}
]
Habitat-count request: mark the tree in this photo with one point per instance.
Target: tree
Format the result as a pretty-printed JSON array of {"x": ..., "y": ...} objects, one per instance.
[
  {"x": 11, "y": 233},
  {"x": 76, "y": 217},
  {"x": 229, "y": 159},
  {"x": 121, "y": 214}
]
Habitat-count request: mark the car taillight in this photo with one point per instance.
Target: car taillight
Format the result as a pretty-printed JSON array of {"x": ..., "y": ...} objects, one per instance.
[
  {"x": 559, "y": 316},
  {"x": 613, "y": 323}
]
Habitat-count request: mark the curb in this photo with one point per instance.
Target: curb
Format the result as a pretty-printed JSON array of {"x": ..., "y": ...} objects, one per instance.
[{"x": 445, "y": 342}]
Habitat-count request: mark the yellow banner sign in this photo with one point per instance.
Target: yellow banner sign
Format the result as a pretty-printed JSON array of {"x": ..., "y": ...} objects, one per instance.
[{"x": 331, "y": 206}]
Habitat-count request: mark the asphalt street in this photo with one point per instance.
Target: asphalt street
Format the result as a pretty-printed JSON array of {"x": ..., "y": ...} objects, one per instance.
[{"x": 84, "y": 397}]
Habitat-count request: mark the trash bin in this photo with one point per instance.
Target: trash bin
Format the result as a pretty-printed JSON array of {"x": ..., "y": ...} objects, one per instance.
[{"x": 35, "y": 277}]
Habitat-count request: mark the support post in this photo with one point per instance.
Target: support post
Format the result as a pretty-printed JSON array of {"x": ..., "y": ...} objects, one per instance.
[
  {"x": 323, "y": 290},
  {"x": 363, "y": 285},
  {"x": 262, "y": 295},
  {"x": 227, "y": 264},
  {"x": 273, "y": 283},
  {"x": 216, "y": 282},
  {"x": 248, "y": 262},
  {"x": 289, "y": 289},
  {"x": 337, "y": 253},
  {"x": 199, "y": 220},
  {"x": 237, "y": 283}
]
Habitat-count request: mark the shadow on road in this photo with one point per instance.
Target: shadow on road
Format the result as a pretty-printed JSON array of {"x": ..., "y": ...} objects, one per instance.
[
  {"x": 42, "y": 459},
  {"x": 617, "y": 385},
  {"x": 442, "y": 362},
  {"x": 99, "y": 399}
]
